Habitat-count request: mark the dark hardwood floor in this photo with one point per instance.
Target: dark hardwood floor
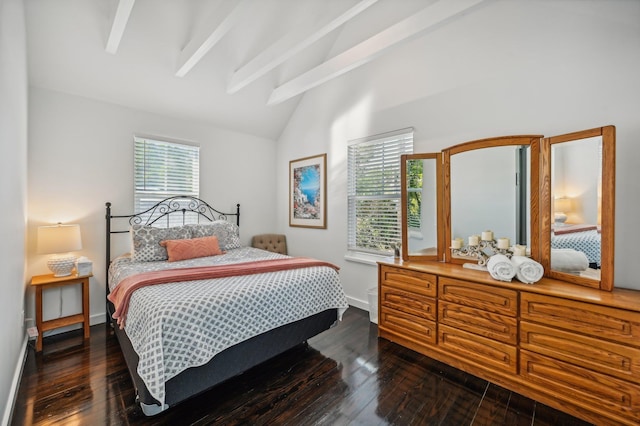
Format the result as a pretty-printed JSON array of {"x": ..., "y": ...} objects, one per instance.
[{"x": 345, "y": 376}]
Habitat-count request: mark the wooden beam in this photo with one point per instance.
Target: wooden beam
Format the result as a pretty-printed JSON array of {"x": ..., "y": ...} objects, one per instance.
[
  {"x": 219, "y": 23},
  {"x": 120, "y": 19},
  {"x": 291, "y": 44},
  {"x": 371, "y": 48}
]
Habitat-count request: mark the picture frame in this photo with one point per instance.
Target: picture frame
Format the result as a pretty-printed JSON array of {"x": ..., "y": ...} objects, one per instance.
[{"x": 308, "y": 192}]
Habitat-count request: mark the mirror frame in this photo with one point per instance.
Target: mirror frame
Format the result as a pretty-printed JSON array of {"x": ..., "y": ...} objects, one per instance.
[
  {"x": 404, "y": 200},
  {"x": 533, "y": 141},
  {"x": 607, "y": 220}
]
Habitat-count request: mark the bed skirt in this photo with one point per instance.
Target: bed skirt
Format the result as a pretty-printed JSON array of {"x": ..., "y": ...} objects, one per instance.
[{"x": 225, "y": 365}]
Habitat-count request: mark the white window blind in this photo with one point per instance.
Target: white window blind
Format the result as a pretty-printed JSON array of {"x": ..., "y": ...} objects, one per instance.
[
  {"x": 164, "y": 169},
  {"x": 374, "y": 191}
]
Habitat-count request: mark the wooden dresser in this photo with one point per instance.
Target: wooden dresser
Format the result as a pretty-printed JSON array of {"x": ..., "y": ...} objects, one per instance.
[{"x": 571, "y": 347}]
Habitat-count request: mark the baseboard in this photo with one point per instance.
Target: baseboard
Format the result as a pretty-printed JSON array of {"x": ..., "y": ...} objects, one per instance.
[
  {"x": 96, "y": 319},
  {"x": 360, "y": 304},
  {"x": 15, "y": 384}
]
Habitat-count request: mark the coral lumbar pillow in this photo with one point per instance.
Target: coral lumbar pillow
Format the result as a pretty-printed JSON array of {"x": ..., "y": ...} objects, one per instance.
[{"x": 191, "y": 248}]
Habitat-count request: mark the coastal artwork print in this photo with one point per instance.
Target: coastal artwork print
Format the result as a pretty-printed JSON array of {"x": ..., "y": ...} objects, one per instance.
[{"x": 307, "y": 192}]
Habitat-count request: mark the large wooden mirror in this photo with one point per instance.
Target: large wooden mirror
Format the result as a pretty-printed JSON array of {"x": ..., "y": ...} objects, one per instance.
[
  {"x": 421, "y": 201},
  {"x": 487, "y": 186},
  {"x": 577, "y": 210}
]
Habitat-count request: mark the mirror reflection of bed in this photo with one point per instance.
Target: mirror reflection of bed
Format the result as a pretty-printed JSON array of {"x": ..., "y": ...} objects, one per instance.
[
  {"x": 575, "y": 249},
  {"x": 576, "y": 178}
]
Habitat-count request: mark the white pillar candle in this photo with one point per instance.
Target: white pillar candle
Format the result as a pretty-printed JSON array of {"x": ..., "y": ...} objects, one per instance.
[
  {"x": 487, "y": 236},
  {"x": 504, "y": 243},
  {"x": 456, "y": 243},
  {"x": 520, "y": 251},
  {"x": 474, "y": 240}
]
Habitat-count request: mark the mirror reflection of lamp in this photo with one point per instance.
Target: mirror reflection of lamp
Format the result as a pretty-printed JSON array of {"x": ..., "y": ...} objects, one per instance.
[
  {"x": 561, "y": 207},
  {"x": 60, "y": 240}
]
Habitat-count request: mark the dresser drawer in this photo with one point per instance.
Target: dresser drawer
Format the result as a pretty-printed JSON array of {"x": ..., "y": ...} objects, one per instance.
[
  {"x": 484, "y": 323},
  {"x": 489, "y": 298},
  {"x": 409, "y": 303},
  {"x": 409, "y": 280},
  {"x": 596, "y": 354},
  {"x": 408, "y": 326},
  {"x": 572, "y": 383},
  {"x": 474, "y": 349},
  {"x": 598, "y": 321}
]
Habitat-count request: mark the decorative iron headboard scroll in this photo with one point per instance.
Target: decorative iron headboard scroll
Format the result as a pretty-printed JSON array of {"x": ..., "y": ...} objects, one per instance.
[{"x": 172, "y": 206}]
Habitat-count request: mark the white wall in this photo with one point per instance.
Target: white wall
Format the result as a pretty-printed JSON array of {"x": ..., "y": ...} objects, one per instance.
[
  {"x": 576, "y": 172},
  {"x": 81, "y": 155},
  {"x": 13, "y": 197},
  {"x": 509, "y": 68}
]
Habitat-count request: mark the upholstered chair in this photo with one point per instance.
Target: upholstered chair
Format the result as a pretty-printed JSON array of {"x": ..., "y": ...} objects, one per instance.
[{"x": 276, "y": 243}]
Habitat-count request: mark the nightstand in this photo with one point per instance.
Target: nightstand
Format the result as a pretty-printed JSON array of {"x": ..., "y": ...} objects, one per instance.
[{"x": 41, "y": 282}]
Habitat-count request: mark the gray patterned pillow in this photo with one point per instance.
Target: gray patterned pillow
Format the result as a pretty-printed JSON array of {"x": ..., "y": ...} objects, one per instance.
[
  {"x": 228, "y": 233},
  {"x": 146, "y": 241}
]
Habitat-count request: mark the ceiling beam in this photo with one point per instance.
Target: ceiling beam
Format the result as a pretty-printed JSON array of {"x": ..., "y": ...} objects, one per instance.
[
  {"x": 218, "y": 24},
  {"x": 120, "y": 19},
  {"x": 289, "y": 45},
  {"x": 371, "y": 48}
]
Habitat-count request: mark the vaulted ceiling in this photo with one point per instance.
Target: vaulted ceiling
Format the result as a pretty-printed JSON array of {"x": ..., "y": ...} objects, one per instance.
[{"x": 237, "y": 64}]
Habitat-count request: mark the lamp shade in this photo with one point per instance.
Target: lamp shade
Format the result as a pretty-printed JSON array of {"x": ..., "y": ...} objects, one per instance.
[
  {"x": 59, "y": 239},
  {"x": 562, "y": 205}
]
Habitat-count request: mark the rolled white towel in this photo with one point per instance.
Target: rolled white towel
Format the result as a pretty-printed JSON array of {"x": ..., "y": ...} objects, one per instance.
[
  {"x": 501, "y": 268},
  {"x": 569, "y": 260},
  {"x": 528, "y": 270}
]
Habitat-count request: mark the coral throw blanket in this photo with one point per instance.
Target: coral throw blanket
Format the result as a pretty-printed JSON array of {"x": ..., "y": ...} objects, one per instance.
[{"x": 121, "y": 295}]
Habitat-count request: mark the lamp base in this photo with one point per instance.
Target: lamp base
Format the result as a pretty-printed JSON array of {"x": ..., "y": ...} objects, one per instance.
[
  {"x": 61, "y": 265},
  {"x": 559, "y": 217}
]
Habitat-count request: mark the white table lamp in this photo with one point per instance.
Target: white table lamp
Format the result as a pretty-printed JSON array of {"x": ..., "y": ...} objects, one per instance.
[
  {"x": 561, "y": 206},
  {"x": 60, "y": 240}
]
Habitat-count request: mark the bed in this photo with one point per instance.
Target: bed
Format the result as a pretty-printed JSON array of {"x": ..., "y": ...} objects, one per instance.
[
  {"x": 200, "y": 308},
  {"x": 584, "y": 238}
]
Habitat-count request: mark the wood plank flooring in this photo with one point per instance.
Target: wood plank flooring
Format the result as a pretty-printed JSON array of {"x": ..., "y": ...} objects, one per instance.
[{"x": 344, "y": 376}]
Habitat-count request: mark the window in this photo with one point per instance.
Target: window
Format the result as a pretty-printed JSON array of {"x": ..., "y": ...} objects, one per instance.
[
  {"x": 164, "y": 169},
  {"x": 414, "y": 193},
  {"x": 374, "y": 191}
]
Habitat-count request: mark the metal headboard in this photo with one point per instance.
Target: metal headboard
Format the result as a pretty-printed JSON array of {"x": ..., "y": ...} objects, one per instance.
[{"x": 163, "y": 210}]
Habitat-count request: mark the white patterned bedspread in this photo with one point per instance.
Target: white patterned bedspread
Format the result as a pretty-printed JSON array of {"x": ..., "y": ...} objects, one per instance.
[
  {"x": 587, "y": 242},
  {"x": 176, "y": 326}
]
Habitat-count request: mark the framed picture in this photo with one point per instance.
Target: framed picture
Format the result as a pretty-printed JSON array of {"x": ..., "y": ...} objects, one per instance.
[{"x": 308, "y": 192}]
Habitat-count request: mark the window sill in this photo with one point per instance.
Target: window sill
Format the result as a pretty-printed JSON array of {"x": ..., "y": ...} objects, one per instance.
[{"x": 366, "y": 258}]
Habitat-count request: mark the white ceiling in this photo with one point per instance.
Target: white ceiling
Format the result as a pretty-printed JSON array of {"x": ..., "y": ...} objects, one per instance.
[{"x": 253, "y": 58}]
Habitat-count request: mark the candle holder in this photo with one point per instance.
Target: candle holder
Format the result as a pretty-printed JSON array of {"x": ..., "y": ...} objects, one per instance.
[{"x": 479, "y": 251}]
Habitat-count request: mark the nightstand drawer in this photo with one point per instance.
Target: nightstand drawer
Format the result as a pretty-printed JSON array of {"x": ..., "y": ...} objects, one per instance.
[
  {"x": 409, "y": 303},
  {"x": 574, "y": 383},
  {"x": 597, "y": 321},
  {"x": 474, "y": 349},
  {"x": 484, "y": 323},
  {"x": 596, "y": 354},
  {"x": 493, "y": 299},
  {"x": 410, "y": 281},
  {"x": 408, "y": 326}
]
